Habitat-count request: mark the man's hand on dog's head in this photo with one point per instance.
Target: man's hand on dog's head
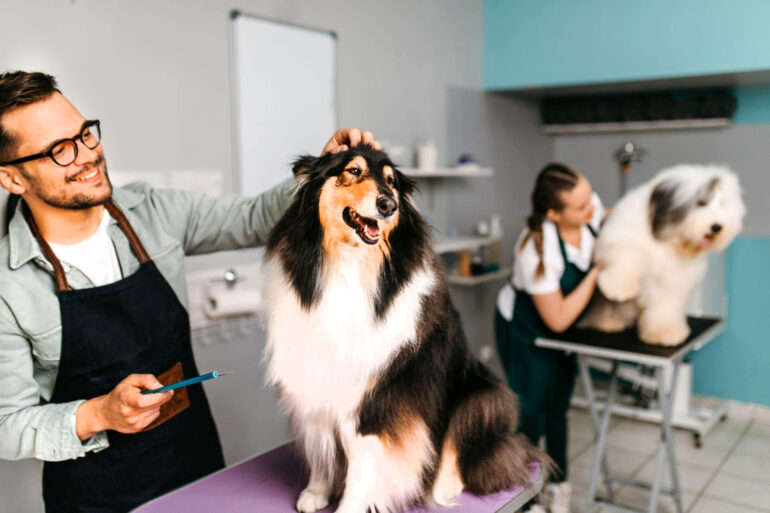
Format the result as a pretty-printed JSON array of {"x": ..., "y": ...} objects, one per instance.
[{"x": 346, "y": 138}]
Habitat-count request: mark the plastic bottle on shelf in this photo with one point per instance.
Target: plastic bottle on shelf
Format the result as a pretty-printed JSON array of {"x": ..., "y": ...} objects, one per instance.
[
  {"x": 482, "y": 228},
  {"x": 496, "y": 233},
  {"x": 427, "y": 155},
  {"x": 477, "y": 262},
  {"x": 465, "y": 263}
]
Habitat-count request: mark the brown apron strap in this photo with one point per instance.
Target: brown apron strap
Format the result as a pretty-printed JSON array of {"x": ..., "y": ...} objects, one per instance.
[
  {"x": 60, "y": 276},
  {"x": 58, "y": 270},
  {"x": 128, "y": 230}
]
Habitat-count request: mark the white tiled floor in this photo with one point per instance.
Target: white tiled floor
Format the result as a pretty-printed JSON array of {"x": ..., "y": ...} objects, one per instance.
[
  {"x": 729, "y": 474},
  {"x": 691, "y": 478}
]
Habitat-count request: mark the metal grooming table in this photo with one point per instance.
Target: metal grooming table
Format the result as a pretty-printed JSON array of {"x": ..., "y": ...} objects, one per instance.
[
  {"x": 272, "y": 482},
  {"x": 626, "y": 347}
]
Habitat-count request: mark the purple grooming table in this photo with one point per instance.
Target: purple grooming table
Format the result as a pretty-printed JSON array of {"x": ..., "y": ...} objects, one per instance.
[{"x": 271, "y": 483}]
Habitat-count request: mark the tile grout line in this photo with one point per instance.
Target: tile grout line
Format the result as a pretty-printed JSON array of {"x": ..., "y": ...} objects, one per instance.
[
  {"x": 743, "y": 477},
  {"x": 592, "y": 443},
  {"x": 634, "y": 473},
  {"x": 589, "y": 445},
  {"x": 715, "y": 472},
  {"x": 719, "y": 467}
]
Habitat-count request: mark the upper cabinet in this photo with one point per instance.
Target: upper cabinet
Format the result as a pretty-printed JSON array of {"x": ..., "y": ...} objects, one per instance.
[{"x": 606, "y": 45}]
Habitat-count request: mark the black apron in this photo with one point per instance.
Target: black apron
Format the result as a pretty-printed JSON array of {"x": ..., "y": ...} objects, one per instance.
[
  {"x": 542, "y": 378},
  {"x": 133, "y": 326}
]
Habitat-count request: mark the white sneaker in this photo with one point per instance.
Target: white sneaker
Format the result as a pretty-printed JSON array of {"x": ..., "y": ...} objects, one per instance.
[
  {"x": 558, "y": 497},
  {"x": 537, "y": 508}
]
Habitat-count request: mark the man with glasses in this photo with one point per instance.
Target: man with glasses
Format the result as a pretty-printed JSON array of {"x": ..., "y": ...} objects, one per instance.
[{"x": 92, "y": 308}]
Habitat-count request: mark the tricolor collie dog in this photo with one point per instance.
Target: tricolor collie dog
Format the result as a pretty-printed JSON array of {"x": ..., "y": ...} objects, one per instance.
[
  {"x": 367, "y": 352},
  {"x": 654, "y": 247}
]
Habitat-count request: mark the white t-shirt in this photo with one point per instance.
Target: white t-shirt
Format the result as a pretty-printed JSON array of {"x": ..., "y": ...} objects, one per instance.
[
  {"x": 525, "y": 262},
  {"x": 95, "y": 257}
]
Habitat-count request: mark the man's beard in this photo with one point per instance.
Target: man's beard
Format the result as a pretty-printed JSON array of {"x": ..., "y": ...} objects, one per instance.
[{"x": 78, "y": 201}]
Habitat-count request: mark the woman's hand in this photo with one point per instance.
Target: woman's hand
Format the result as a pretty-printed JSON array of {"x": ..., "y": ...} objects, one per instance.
[
  {"x": 346, "y": 138},
  {"x": 594, "y": 271},
  {"x": 559, "y": 313}
]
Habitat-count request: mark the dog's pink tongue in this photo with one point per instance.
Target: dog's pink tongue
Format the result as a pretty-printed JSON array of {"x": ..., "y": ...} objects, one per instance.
[
  {"x": 372, "y": 231},
  {"x": 704, "y": 244}
]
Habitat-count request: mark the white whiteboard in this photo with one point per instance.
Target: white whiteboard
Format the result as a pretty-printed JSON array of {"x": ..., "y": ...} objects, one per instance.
[{"x": 284, "y": 97}]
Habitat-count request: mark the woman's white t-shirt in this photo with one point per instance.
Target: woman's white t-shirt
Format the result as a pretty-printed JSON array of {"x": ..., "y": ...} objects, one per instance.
[
  {"x": 95, "y": 257},
  {"x": 525, "y": 262}
]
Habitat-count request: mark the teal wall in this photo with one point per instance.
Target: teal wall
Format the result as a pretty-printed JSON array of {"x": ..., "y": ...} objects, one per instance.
[
  {"x": 736, "y": 365},
  {"x": 753, "y": 105},
  {"x": 566, "y": 42}
]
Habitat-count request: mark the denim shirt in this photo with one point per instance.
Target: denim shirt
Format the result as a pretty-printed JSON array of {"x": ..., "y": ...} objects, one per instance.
[{"x": 170, "y": 224}]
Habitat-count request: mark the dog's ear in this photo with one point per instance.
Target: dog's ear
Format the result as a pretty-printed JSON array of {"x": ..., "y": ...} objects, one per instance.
[
  {"x": 404, "y": 184},
  {"x": 307, "y": 167},
  {"x": 664, "y": 209},
  {"x": 304, "y": 165}
]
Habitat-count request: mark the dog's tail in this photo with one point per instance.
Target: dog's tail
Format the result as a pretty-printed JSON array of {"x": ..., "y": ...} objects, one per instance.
[{"x": 490, "y": 455}]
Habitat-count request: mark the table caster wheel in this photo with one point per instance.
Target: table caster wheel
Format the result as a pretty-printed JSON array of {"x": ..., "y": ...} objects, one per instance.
[{"x": 697, "y": 440}]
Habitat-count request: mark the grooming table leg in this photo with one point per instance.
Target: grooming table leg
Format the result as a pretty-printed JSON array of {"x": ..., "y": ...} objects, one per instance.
[
  {"x": 657, "y": 478},
  {"x": 588, "y": 388},
  {"x": 666, "y": 398},
  {"x": 602, "y": 440}
]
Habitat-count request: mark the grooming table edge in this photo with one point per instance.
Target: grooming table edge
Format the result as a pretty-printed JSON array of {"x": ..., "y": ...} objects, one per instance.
[
  {"x": 272, "y": 482},
  {"x": 677, "y": 353}
]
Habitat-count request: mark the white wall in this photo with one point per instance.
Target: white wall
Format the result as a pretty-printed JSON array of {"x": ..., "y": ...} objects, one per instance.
[
  {"x": 145, "y": 66},
  {"x": 405, "y": 69},
  {"x": 157, "y": 73}
]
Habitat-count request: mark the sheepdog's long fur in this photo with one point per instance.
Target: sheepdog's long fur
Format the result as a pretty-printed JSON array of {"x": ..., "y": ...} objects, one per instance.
[
  {"x": 388, "y": 406},
  {"x": 654, "y": 247}
]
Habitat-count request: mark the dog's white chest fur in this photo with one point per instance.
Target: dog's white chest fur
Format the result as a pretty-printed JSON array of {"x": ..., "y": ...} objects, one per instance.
[{"x": 325, "y": 358}]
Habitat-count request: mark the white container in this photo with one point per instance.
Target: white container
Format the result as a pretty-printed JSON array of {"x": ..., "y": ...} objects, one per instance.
[
  {"x": 482, "y": 228},
  {"x": 427, "y": 156},
  {"x": 496, "y": 227}
]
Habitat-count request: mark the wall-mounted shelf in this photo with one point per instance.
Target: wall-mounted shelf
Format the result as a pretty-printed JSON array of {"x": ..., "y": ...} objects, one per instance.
[
  {"x": 448, "y": 172},
  {"x": 635, "y": 126},
  {"x": 455, "y": 244},
  {"x": 469, "y": 281}
]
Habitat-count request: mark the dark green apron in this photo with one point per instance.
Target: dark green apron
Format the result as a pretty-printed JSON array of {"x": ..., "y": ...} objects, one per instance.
[{"x": 542, "y": 378}]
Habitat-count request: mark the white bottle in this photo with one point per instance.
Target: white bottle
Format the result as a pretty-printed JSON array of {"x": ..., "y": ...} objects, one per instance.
[
  {"x": 495, "y": 227},
  {"x": 427, "y": 156},
  {"x": 482, "y": 228},
  {"x": 496, "y": 233}
]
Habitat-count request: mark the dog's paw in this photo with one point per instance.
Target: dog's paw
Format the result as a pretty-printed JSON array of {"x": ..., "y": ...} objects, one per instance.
[
  {"x": 664, "y": 334},
  {"x": 447, "y": 488},
  {"x": 616, "y": 286},
  {"x": 310, "y": 501},
  {"x": 559, "y": 496}
]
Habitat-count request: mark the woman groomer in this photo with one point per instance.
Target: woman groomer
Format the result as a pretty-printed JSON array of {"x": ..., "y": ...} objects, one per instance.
[{"x": 553, "y": 281}]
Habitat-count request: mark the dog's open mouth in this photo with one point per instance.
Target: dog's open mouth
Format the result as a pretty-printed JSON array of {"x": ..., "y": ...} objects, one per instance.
[
  {"x": 707, "y": 241},
  {"x": 365, "y": 227}
]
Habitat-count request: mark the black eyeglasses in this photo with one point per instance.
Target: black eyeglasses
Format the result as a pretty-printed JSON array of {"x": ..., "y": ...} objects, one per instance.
[{"x": 64, "y": 151}]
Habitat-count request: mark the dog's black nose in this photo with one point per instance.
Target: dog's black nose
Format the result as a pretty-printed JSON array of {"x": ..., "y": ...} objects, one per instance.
[
  {"x": 716, "y": 228},
  {"x": 386, "y": 205}
]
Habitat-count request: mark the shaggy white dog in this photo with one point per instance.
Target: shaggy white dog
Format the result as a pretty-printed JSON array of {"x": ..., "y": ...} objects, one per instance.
[{"x": 654, "y": 247}]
